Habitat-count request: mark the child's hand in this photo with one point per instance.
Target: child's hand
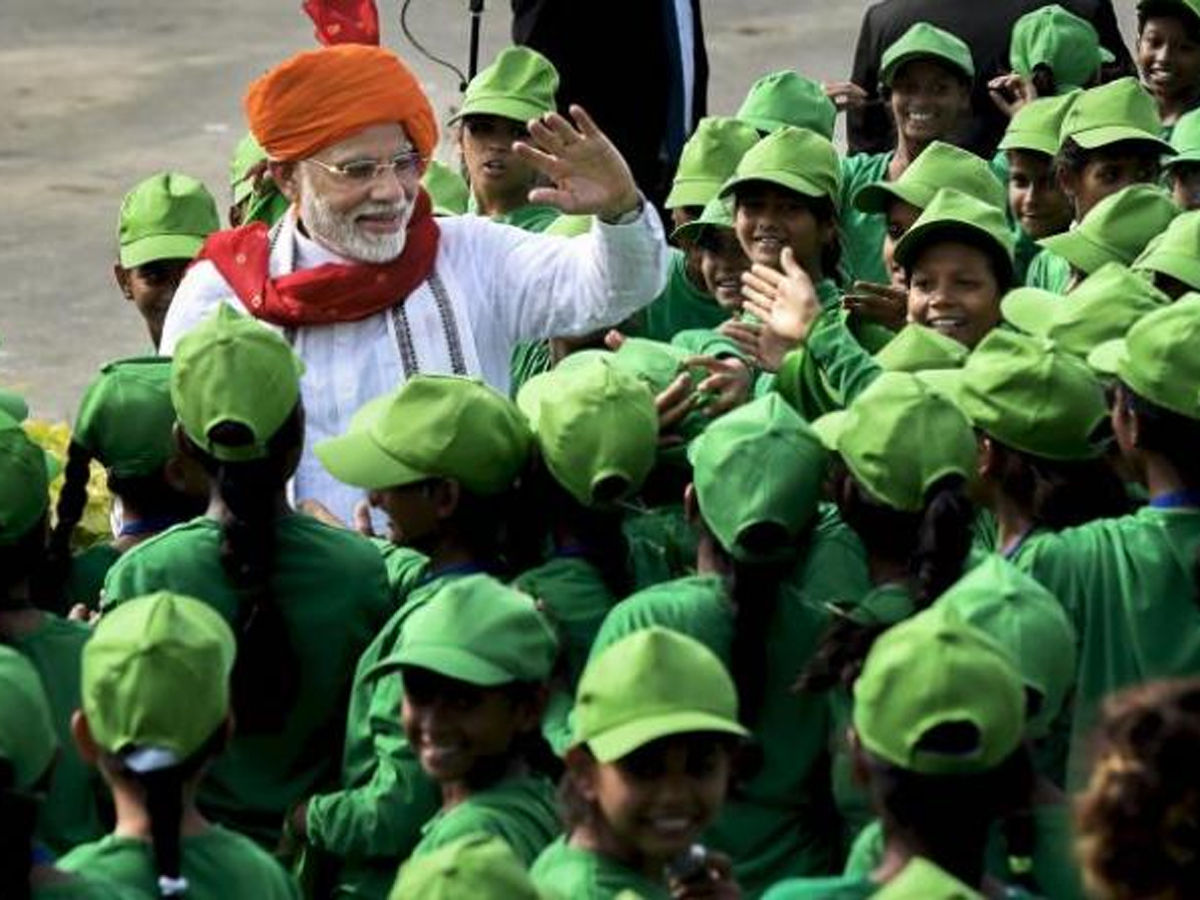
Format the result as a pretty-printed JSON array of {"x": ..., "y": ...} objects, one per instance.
[
  {"x": 728, "y": 382},
  {"x": 786, "y": 301},
  {"x": 1010, "y": 92},
  {"x": 80, "y": 613},
  {"x": 846, "y": 95},
  {"x": 719, "y": 885},
  {"x": 673, "y": 405},
  {"x": 879, "y": 303},
  {"x": 320, "y": 512}
]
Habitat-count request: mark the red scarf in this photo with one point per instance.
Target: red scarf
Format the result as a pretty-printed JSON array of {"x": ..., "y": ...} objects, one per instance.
[{"x": 333, "y": 292}]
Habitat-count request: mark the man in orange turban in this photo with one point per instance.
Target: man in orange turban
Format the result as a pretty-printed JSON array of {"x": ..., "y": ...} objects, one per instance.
[{"x": 369, "y": 287}]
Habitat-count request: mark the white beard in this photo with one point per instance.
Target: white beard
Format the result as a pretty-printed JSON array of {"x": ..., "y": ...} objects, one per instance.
[{"x": 338, "y": 231}]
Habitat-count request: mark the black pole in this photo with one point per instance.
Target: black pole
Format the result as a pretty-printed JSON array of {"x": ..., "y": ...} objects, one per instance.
[{"x": 476, "y": 7}]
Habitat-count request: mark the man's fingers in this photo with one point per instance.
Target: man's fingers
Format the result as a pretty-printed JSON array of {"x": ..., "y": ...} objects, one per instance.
[
  {"x": 362, "y": 519},
  {"x": 791, "y": 268},
  {"x": 614, "y": 339},
  {"x": 768, "y": 276},
  {"x": 584, "y": 122},
  {"x": 752, "y": 280},
  {"x": 757, "y": 304},
  {"x": 543, "y": 161}
]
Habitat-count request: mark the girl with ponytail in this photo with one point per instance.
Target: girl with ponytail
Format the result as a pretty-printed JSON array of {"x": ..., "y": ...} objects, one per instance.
[
  {"x": 302, "y": 598},
  {"x": 770, "y": 562},
  {"x": 153, "y": 750}
]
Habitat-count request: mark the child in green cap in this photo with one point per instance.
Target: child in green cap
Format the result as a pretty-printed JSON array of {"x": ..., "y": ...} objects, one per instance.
[
  {"x": 476, "y": 867},
  {"x": 936, "y": 736},
  {"x": 926, "y": 78},
  {"x": 770, "y": 559},
  {"x": 125, "y": 422},
  {"x": 52, "y": 644},
  {"x": 1183, "y": 169},
  {"x": 788, "y": 98},
  {"x": 1054, "y": 51},
  {"x": 269, "y": 571},
  {"x": 155, "y": 712},
  {"x": 28, "y": 751},
  {"x": 1170, "y": 259},
  {"x": 256, "y": 198},
  {"x": 474, "y": 663},
  {"x": 163, "y": 224},
  {"x": 656, "y": 740},
  {"x": 1168, "y": 56}
]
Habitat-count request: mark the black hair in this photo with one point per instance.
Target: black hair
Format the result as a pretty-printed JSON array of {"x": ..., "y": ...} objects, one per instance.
[
  {"x": 266, "y": 672},
  {"x": 1073, "y": 158},
  {"x": 999, "y": 261},
  {"x": 18, "y": 819},
  {"x": 1044, "y": 82},
  {"x": 824, "y": 210},
  {"x": 1156, "y": 9},
  {"x": 24, "y": 559}
]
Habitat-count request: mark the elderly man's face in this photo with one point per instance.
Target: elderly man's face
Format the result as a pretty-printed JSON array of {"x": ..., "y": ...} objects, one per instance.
[{"x": 359, "y": 216}]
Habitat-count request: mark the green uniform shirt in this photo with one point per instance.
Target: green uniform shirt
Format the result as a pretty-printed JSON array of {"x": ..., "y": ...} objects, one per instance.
[
  {"x": 838, "y": 887},
  {"x": 569, "y": 872},
  {"x": 331, "y": 588},
  {"x": 863, "y": 233},
  {"x": 405, "y": 568},
  {"x": 662, "y": 545},
  {"x": 70, "y": 813},
  {"x": 520, "y": 811},
  {"x": 681, "y": 306},
  {"x": 1127, "y": 584},
  {"x": 1048, "y": 271},
  {"x": 88, "y": 569},
  {"x": 80, "y": 888},
  {"x": 777, "y": 825},
  {"x": 218, "y": 864}
]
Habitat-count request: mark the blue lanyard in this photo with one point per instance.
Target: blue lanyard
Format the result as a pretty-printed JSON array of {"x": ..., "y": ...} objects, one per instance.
[
  {"x": 1018, "y": 542},
  {"x": 446, "y": 571},
  {"x": 148, "y": 525},
  {"x": 1176, "y": 500}
]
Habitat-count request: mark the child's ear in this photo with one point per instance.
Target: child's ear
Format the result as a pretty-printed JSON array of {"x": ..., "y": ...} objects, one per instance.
[
  {"x": 987, "y": 456},
  {"x": 691, "y": 508},
  {"x": 447, "y": 493},
  {"x": 581, "y": 769},
  {"x": 121, "y": 274},
  {"x": 81, "y": 732}
]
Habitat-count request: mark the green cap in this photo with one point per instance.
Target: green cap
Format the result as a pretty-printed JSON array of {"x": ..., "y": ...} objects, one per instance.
[
  {"x": 1102, "y": 307},
  {"x": 1175, "y": 252},
  {"x": 13, "y": 405},
  {"x": 1116, "y": 229},
  {"x": 922, "y": 880},
  {"x": 793, "y": 158},
  {"x": 759, "y": 465},
  {"x": 938, "y": 166},
  {"x": 1159, "y": 359},
  {"x": 231, "y": 368},
  {"x": 477, "y": 630},
  {"x": 1185, "y": 139},
  {"x": 717, "y": 213},
  {"x": 126, "y": 418},
  {"x": 25, "y": 474},
  {"x": 788, "y": 98},
  {"x": 916, "y": 348},
  {"x": 1188, "y": 8},
  {"x": 246, "y": 155},
  {"x": 27, "y": 738},
  {"x": 434, "y": 426},
  {"x": 1054, "y": 37},
  {"x": 155, "y": 679},
  {"x": 935, "y": 670},
  {"x": 657, "y": 364},
  {"x": 925, "y": 41},
  {"x": 1036, "y": 125},
  {"x": 653, "y": 684},
  {"x": 1120, "y": 110},
  {"x": 952, "y": 215},
  {"x": 1026, "y": 620},
  {"x": 476, "y": 867},
  {"x": 167, "y": 216},
  {"x": 519, "y": 85},
  {"x": 899, "y": 437},
  {"x": 447, "y": 189},
  {"x": 597, "y": 427},
  {"x": 709, "y": 157}
]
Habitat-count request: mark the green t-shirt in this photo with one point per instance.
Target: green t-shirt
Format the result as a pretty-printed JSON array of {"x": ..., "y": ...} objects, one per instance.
[
  {"x": 88, "y": 569},
  {"x": 70, "y": 813},
  {"x": 863, "y": 233},
  {"x": 405, "y": 568},
  {"x": 1128, "y": 586},
  {"x": 331, "y": 588},
  {"x": 78, "y": 887},
  {"x": 569, "y": 872},
  {"x": 778, "y": 824},
  {"x": 521, "y": 811},
  {"x": 680, "y": 307},
  {"x": 531, "y": 217},
  {"x": 218, "y": 864},
  {"x": 1048, "y": 271},
  {"x": 662, "y": 544},
  {"x": 837, "y": 887}
]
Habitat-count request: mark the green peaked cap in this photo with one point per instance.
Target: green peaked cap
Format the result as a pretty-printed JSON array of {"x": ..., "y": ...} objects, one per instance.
[
  {"x": 934, "y": 670},
  {"x": 126, "y": 418},
  {"x": 519, "y": 84},
  {"x": 1175, "y": 252},
  {"x": 1160, "y": 357},
  {"x": 1120, "y": 110},
  {"x": 597, "y": 427},
  {"x": 793, "y": 158},
  {"x": 433, "y": 426},
  {"x": 925, "y": 41},
  {"x": 1036, "y": 125},
  {"x": 652, "y": 684},
  {"x": 940, "y": 165},
  {"x": 246, "y": 155},
  {"x": 25, "y": 474},
  {"x": 28, "y": 741},
  {"x": 476, "y": 867},
  {"x": 717, "y": 213},
  {"x": 899, "y": 437},
  {"x": 1101, "y": 308},
  {"x": 447, "y": 189},
  {"x": 232, "y": 368},
  {"x": 1116, "y": 229},
  {"x": 1054, "y": 37},
  {"x": 708, "y": 158},
  {"x": 1185, "y": 139},
  {"x": 788, "y": 98},
  {"x": 1188, "y": 8},
  {"x": 657, "y": 364},
  {"x": 1026, "y": 620},
  {"x": 167, "y": 216},
  {"x": 916, "y": 348},
  {"x": 758, "y": 472},
  {"x": 952, "y": 215}
]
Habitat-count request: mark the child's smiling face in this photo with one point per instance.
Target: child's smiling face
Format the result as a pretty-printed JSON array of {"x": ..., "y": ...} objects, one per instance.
[
  {"x": 929, "y": 102},
  {"x": 769, "y": 217}
]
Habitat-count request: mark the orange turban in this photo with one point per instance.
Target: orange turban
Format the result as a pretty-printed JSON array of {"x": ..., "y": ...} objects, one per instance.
[{"x": 320, "y": 97}]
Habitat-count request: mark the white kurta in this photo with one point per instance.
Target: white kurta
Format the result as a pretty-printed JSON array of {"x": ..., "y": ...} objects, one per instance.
[{"x": 493, "y": 286}]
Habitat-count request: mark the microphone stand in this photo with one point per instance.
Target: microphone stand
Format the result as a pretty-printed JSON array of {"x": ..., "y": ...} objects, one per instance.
[{"x": 476, "y": 9}]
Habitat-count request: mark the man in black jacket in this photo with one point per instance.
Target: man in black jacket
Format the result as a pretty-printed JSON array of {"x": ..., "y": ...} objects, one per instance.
[{"x": 986, "y": 27}]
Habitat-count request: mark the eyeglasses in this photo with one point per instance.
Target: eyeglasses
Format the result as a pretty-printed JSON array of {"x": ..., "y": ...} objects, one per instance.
[{"x": 405, "y": 166}]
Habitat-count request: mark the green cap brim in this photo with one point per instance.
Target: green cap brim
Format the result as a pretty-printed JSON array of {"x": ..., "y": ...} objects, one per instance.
[
  {"x": 788, "y": 180},
  {"x": 921, "y": 236},
  {"x": 1181, "y": 266},
  {"x": 885, "y": 76},
  {"x": 692, "y": 192},
  {"x": 356, "y": 459},
  {"x": 1107, "y": 357},
  {"x": 877, "y": 196},
  {"x": 762, "y": 123},
  {"x": 947, "y": 382},
  {"x": 1030, "y": 142},
  {"x": 622, "y": 740},
  {"x": 160, "y": 246},
  {"x": 1092, "y": 138},
  {"x": 505, "y": 107},
  {"x": 1079, "y": 250},
  {"x": 1028, "y": 309},
  {"x": 447, "y": 660},
  {"x": 829, "y": 428},
  {"x": 14, "y": 405},
  {"x": 1182, "y": 158}
]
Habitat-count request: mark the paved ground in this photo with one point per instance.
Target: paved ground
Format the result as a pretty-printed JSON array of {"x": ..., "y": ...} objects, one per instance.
[{"x": 100, "y": 95}]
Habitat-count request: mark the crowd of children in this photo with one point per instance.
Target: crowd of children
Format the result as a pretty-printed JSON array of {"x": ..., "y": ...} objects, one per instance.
[{"x": 863, "y": 561}]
